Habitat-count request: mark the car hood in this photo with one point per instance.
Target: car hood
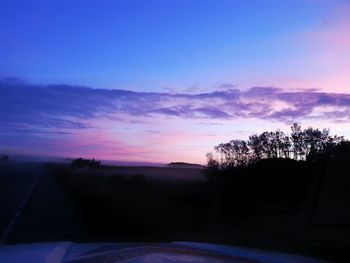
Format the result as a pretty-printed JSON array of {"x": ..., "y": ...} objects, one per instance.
[{"x": 64, "y": 252}]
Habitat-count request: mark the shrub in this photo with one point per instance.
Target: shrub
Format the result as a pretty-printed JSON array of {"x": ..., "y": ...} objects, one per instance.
[{"x": 80, "y": 162}]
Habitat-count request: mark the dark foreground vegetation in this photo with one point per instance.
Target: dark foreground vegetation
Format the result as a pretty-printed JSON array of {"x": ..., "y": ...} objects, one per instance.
[
  {"x": 293, "y": 199},
  {"x": 273, "y": 170},
  {"x": 135, "y": 208},
  {"x": 304, "y": 145},
  {"x": 80, "y": 162},
  {"x": 183, "y": 164}
]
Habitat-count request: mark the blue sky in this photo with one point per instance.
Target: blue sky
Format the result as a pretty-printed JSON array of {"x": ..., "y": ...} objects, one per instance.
[
  {"x": 152, "y": 45},
  {"x": 194, "y": 74}
]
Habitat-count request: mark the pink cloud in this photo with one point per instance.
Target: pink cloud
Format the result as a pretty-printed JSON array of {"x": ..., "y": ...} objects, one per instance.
[{"x": 158, "y": 127}]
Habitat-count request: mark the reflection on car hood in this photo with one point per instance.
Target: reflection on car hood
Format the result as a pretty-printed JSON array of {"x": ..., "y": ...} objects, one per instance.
[{"x": 68, "y": 252}]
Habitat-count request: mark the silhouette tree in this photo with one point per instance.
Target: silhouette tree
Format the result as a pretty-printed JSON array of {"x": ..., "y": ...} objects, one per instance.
[
  {"x": 255, "y": 145},
  {"x": 285, "y": 146},
  {"x": 239, "y": 153},
  {"x": 308, "y": 144},
  {"x": 80, "y": 162},
  {"x": 211, "y": 162},
  {"x": 297, "y": 137}
]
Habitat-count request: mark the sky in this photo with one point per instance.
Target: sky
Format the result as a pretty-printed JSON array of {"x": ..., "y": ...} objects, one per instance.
[{"x": 163, "y": 81}]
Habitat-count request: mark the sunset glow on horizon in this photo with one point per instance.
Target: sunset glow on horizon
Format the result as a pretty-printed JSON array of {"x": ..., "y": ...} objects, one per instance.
[{"x": 162, "y": 81}]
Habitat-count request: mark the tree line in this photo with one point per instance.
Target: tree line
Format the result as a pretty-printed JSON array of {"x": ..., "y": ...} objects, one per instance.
[{"x": 301, "y": 144}]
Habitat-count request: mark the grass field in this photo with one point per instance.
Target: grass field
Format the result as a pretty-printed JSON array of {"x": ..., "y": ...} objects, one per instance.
[
  {"x": 152, "y": 204},
  {"x": 141, "y": 204}
]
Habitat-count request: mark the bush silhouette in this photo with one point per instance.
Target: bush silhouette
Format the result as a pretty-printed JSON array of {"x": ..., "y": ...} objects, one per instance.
[
  {"x": 80, "y": 162},
  {"x": 4, "y": 158}
]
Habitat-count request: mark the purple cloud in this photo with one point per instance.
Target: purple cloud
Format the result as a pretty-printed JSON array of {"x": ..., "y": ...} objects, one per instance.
[{"x": 25, "y": 106}]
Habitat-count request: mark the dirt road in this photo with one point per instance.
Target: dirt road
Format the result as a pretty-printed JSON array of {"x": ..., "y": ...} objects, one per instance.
[{"x": 34, "y": 208}]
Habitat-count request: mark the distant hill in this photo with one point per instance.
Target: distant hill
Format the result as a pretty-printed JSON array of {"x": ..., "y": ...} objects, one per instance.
[{"x": 185, "y": 165}]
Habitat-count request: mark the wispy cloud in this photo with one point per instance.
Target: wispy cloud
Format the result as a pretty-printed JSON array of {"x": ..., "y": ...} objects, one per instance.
[
  {"x": 77, "y": 121},
  {"x": 25, "y": 106}
]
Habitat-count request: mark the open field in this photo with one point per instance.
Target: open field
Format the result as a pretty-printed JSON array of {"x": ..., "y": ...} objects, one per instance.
[
  {"x": 166, "y": 174},
  {"x": 133, "y": 206},
  {"x": 138, "y": 204}
]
